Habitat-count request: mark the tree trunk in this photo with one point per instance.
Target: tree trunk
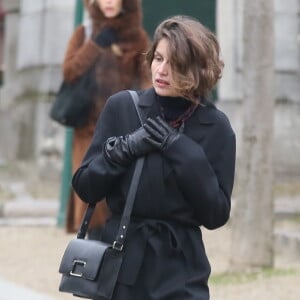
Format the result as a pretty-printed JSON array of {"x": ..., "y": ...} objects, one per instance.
[{"x": 252, "y": 239}]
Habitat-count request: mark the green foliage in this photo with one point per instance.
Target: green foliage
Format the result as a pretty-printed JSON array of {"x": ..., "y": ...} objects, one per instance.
[
  {"x": 204, "y": 11},
  {"x": 249, "y": 276}
]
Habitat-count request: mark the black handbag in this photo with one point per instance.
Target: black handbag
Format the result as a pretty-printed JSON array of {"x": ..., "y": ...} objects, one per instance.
[
  {"x": 73, "y": 101},
  {"x": 90, "y": 268}
]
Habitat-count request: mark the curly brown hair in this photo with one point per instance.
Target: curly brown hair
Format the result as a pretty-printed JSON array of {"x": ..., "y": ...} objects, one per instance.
[{"x": 194, "y": 55}]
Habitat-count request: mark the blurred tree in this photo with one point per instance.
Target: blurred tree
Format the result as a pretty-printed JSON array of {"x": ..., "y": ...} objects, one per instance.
[{"x": 252, "y": 243}]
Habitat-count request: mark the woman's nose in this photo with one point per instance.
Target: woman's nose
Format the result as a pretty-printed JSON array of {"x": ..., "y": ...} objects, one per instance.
[{"x": 162, "y": 69}]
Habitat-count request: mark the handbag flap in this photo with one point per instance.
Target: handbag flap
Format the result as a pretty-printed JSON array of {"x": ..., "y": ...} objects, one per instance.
[{"x": 82, "y": 258}]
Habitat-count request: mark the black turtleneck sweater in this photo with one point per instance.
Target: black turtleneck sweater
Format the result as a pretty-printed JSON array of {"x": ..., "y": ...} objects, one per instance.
[{"x": 172, "y": 107}]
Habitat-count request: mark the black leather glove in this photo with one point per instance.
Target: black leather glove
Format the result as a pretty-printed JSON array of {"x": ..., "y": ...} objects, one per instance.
[
  {"x": 162, "y": 135},
  {"x": 106, "y": 37},
  {"x": 125, "y": 149}
]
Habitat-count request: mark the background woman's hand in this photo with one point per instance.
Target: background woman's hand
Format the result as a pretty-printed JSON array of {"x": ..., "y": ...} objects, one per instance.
[{"x": 106, "y": 37}]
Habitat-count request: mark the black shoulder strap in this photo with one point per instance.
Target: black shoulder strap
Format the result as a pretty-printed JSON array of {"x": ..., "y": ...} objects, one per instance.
[
  {"x": 120, "y": 238},
  {"x": 118, "y": 243},
  {"x": 135, "y": 98}
]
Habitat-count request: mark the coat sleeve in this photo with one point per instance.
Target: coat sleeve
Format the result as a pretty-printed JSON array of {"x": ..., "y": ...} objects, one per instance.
[
  {"x": 97, "y": 175},
  {"x": 207, "y": 186},
  {"x": 80, "y": 55}
]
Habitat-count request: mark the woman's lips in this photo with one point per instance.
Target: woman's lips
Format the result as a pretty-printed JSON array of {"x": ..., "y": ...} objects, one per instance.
[
  {"x": 162, "y": 83},
  {"x": 109, "y": 9}
]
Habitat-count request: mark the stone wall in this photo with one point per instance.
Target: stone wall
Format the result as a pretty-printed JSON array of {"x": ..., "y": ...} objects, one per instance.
[{"x": 36, "y": 33}]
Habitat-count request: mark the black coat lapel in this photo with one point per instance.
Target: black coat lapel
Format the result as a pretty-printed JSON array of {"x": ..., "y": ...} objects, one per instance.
[{"x": 147, "y": 104}]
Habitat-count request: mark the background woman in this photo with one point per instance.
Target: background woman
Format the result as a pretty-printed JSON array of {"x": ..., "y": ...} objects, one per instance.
[
  {"x": 187, "y": 178},
  {"x": 115, "y": 48}
]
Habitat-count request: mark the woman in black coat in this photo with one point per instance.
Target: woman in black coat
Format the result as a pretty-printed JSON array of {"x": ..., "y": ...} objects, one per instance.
[{"x": 187, "y": 178}]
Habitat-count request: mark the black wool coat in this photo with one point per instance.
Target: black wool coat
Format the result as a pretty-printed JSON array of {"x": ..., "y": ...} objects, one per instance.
[{"x": 187, "y": 186}]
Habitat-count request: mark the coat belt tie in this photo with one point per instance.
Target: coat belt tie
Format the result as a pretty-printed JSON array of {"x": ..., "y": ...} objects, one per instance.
[{"x": 144, "y": 233}]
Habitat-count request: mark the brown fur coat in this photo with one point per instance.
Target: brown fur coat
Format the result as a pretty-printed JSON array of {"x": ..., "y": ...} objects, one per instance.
[{"x": 119, "y": 67}]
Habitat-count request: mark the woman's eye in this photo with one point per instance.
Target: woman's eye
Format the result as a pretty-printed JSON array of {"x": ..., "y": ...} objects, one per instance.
[{"x": 158, "y": 58}]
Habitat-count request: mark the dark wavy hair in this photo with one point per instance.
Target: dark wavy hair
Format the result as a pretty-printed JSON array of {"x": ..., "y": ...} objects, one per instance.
[{"x": 194, "y": 55}]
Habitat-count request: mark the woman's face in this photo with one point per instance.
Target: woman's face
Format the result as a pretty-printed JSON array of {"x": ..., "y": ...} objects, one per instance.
[
  {"x": 110, "y": 8},
  {"x": 162, "y": 78}
]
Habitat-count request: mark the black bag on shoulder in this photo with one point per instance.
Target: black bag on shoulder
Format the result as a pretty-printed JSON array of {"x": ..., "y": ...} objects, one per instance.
[
  {"x": 73, "y": 101},
  {"x": 90, "y": 268}
]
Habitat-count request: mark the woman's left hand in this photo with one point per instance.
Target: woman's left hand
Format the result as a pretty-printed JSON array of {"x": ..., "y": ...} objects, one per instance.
[{"x": 162, "y": 135}]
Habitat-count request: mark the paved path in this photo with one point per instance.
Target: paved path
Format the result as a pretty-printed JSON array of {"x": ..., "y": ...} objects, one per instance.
[
  {"x": 12, "y": 291},
  {"x": 37, "y": 278}
]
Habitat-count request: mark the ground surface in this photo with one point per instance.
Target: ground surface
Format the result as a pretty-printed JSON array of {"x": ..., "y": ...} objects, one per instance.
[{"x": 30, "y": 257}]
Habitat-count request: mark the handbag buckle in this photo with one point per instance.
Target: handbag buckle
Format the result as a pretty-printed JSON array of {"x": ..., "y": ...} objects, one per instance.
[
  {"x": 76, "y": 263},
  {"x": 117, "y": 246}
]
